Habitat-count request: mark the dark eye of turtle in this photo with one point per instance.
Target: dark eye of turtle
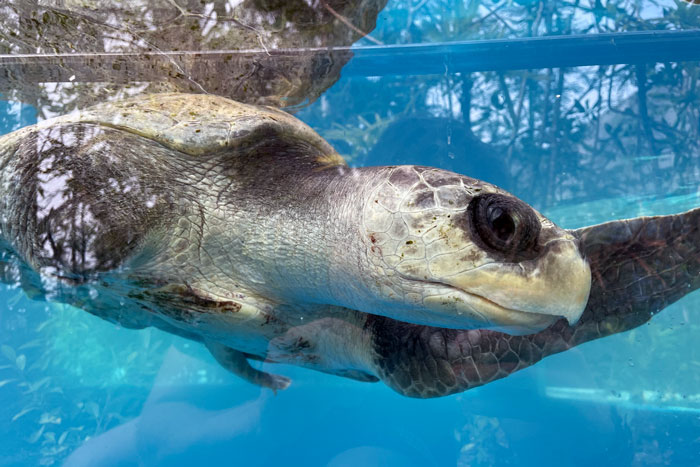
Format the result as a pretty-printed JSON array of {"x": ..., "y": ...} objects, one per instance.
[
  {"x": 504, "y": 225},
  {"x": 501, "y": 223}
]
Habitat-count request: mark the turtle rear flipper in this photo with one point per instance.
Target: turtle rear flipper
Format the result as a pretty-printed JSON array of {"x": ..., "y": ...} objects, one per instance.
[{"x": 237, "y": 363}]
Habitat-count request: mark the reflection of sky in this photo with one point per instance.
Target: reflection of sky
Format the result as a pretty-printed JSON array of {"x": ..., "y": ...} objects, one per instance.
[
  {"x": 14, "y": 115},
  {"x": 428, "y": 20}
]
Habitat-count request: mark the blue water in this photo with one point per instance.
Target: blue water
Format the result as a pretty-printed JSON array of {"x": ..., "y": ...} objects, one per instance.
[{"x": 79, "y": 390}]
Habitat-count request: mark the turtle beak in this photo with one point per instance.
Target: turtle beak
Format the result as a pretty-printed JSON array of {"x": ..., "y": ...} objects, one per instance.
[{"x": 555, "y": 285}]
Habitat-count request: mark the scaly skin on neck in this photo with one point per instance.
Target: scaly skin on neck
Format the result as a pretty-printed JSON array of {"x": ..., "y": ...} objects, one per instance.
[
  {"x": 296, "y": 247},
  {"x": 639, "y": 267}
]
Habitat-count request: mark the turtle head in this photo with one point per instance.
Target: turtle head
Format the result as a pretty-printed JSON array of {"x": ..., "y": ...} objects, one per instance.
[{"x": 447, "y": 250}]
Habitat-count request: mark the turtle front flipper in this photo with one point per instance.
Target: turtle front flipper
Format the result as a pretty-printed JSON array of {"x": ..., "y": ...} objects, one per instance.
[
  {"x": 638, "y": 266},
  {"x": 237, "y": 363}
]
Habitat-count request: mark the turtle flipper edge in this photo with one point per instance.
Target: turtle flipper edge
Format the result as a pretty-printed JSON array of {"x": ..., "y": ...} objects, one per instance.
[{"x": 237, "y": 363}]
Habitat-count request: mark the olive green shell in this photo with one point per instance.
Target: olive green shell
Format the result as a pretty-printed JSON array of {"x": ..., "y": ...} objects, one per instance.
[{"x": 201, "y": 124}]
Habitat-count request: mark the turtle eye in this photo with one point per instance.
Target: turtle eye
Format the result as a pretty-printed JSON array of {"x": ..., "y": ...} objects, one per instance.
[{"x": 503, "y": 224}]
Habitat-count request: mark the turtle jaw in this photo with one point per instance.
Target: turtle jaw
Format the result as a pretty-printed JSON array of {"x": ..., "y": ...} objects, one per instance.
[
  {"x": 516, "y": 298},
  {"x": 472, "y": 311}
]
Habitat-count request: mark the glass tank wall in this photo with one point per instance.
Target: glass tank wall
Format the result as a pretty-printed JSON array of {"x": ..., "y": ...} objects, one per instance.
[{"x": 589, "y": 111}]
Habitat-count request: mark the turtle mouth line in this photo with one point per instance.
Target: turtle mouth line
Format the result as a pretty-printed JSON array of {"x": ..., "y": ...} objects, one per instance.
[{"x": 513, "y": 322}]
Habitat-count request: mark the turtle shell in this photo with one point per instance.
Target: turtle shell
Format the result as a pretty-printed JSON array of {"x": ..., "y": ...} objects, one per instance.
[{"x": 200, "y": 125}]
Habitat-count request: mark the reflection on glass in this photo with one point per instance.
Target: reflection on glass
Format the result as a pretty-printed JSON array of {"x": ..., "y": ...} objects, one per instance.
[{"x": 116, "y": 49}]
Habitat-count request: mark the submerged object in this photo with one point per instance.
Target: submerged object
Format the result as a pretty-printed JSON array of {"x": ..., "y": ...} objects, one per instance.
[{"x": 239, "y": 227}]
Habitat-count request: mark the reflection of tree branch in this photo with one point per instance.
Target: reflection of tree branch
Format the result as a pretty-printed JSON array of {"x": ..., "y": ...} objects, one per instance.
[
  {"x": 411, "y": 10},
  {"x": 615, "y": 138},
  {"x": 581, "y": 97},
  {"x": 230, "y": 19},
  {"x": 683, "y": 108},
  {"x": 521, "y": 98},
  {"x": 506, "y": 97},
  {"x": 419, "y": 6},
  {"x": 672, "y": 133},
  {"x": 545, "y": 113},
  {"x": 641, "y": 73},
  {"x": 518, "y": 112},
  {"x": 487, "y": 16},
  {"x": 654, "y": 125},
  {"x": 554, "y": 155},
  {"x": 503, "y": 21},
  {"x": 538, "y": 18},
  {"x": 689, "y": 98},
  {"x": 17, "y": 38},
  {"x": 345, "y": 21},
  {"x": 598, "y": 105},
  {"x": 465, "y": 102},
  {"x": 128, "y": 31}
]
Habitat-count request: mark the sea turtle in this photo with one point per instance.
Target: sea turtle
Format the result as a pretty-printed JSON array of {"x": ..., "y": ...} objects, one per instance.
[{"x": 239, "y": 227}]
